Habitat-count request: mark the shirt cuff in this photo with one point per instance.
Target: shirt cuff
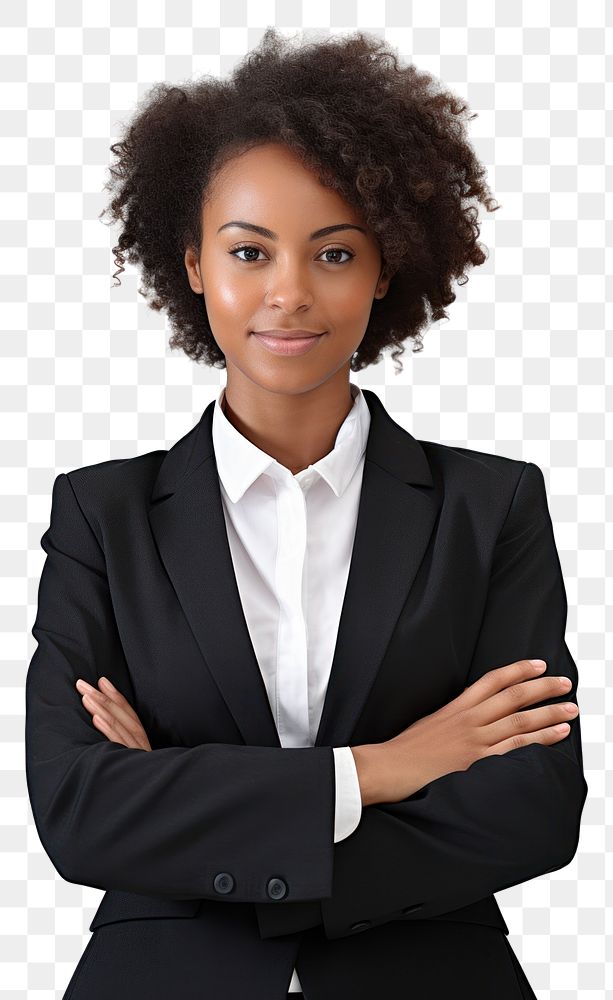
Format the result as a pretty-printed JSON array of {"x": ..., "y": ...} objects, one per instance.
[{"x": 348, "y": 806}]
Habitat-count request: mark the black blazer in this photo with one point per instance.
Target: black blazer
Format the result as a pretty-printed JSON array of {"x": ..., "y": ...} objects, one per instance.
[{"x": 216, "y": 848}]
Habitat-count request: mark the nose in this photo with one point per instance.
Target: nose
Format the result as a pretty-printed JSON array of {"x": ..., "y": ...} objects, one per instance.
[{"x": 289, "y": 288}]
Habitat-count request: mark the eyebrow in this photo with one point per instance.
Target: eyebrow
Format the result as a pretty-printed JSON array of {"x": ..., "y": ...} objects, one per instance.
[{"x": 268, "y": 233}]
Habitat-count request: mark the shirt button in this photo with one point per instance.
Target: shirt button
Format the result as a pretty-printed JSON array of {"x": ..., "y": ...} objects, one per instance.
[{"x": 360, "y": 926}]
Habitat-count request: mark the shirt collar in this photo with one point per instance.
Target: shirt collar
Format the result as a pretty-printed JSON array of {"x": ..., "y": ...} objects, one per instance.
[{"x": 240, "y": 462}]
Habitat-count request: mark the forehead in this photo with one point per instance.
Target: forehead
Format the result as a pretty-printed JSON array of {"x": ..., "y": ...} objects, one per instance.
[{"x": 269, "y": 184}]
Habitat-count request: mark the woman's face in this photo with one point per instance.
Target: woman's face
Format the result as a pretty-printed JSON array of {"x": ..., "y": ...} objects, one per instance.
[{"x": 290, "y": 277}]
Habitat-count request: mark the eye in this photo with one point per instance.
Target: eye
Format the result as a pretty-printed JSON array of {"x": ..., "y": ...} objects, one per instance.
[
  {"x": 246, "y": 246},
  {"x": 249, "y": 246},
  {"x": 338, "y": 250}
]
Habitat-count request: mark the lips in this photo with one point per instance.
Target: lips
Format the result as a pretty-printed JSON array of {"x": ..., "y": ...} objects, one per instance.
[
  {"x": 289, "y": 334},
  {"x": 288, "y": 346}
]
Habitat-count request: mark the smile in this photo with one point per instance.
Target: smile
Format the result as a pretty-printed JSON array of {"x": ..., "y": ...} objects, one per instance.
[{"x": 287, "y": 347}]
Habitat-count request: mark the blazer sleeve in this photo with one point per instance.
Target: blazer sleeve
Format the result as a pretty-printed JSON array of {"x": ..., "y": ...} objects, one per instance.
[
  {"x": 165, "y": 822},
  {"x": 508, "y": 817}
]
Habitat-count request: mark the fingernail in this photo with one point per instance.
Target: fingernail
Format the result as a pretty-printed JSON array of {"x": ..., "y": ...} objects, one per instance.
[
  {"x": 105, "y": 682},
  {"x": 539, "y": 664}
]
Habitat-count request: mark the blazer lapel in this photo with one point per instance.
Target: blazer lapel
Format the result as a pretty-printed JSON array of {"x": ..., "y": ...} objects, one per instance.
[{"x": 396, "y": 515}]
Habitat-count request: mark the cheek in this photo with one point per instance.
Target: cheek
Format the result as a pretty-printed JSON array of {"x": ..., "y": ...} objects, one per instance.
[
  {"x": 352, "y": 296},
  {"x": 225, "y": 288},
  {"x": 225, "y": 295},
  {"x": 351, "y": 313}
]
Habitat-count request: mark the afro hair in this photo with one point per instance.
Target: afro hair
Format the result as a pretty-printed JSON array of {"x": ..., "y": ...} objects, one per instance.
[{"x": 388, "y": 138}]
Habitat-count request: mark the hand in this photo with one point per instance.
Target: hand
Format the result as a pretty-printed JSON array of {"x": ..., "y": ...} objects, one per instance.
[
  {"x": 484, "y": 720},
  {"x": 114, "y": 716}
]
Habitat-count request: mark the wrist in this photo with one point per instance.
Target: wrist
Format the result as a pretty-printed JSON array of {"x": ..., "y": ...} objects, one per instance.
[{"x": 368, "y": 764}]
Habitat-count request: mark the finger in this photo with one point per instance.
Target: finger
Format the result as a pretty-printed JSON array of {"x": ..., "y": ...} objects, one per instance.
[
  {"x": 109, "y": 696},
  {"x": 519, "y": 725},
  {"x": 516, "y": 697},
  {"x": 496, "y": 680},
  {"x": 112, "y": 734},
  {"x": 117, "y": 707},
  {"x": 120, "y": 733},
  {"x": 553, "y": 734},
  {"x": 115, "y": 697},
  {"x": 133, "y": 735}
]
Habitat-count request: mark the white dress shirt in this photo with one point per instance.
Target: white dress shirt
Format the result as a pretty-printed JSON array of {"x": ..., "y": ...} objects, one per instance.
[{"x": 291, "y": 540}]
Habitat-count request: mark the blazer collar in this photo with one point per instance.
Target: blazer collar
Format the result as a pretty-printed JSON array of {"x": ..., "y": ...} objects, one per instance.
[{"x": 397, "y": 511}]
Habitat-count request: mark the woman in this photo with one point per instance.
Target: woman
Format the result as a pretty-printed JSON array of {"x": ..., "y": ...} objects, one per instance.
[{"x": 324, "y": 633}]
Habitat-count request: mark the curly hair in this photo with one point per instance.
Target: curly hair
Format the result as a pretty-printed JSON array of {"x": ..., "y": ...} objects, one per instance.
[{"x": 388, "y": 138}]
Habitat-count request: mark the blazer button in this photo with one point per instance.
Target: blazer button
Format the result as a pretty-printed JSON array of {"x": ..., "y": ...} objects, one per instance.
[
  {"x": 410, "y": 909},
  {"x": 224, "y": 882},
  {"x": 360, "y": 926},
  {"x": 276, "y": 888}
]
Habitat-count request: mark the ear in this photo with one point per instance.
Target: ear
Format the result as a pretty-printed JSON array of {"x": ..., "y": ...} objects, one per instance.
[
  {"x": 192, "y": 267},
  {"x": 383, "y": 284}
]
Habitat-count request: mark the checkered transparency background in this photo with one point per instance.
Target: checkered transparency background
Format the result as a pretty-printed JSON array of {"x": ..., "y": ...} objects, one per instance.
[{"x": 520, "y": 368}]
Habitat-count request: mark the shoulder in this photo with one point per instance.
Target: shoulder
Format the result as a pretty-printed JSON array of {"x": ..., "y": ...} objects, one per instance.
[
  {"x": 127, "y": 474},
  {"x": 470, "y": 465},
  {"x": 492, "y": 484},
  {"x": 112, "y": 491}
]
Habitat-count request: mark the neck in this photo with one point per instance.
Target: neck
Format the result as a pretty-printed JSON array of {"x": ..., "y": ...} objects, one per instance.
[{"x": 296, "y": 430}]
